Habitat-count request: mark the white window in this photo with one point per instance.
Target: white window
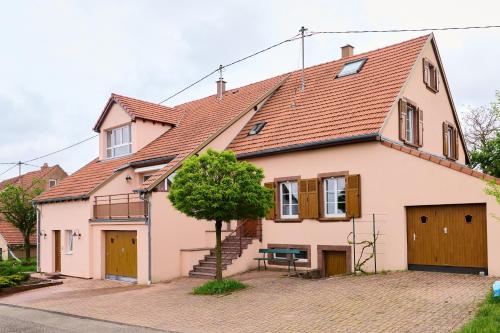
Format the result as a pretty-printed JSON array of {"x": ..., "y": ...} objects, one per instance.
[
  {"x": 352, "y": 67},
  {"x": 169, "y": 180},
  {"x": 69, "y": 241},
  {"x": 299, "y": 257},
  {"x": 334, "y": 194},
  {"x": 451, "y": 142},
  {"x": 410, "y": 124},
  {"x": 289, "y": 200},
  {"x": 118, "y": 142},
  {"x": 52, "y": 183}
]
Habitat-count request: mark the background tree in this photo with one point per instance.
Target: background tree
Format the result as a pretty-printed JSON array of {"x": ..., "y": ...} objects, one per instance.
[
  {"x": 482, "y": 135},
  {"x": 215, "y": 186},
  {"x": 17, "y": 209}
]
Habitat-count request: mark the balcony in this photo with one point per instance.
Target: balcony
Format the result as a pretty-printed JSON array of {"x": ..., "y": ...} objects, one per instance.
[{"x": 120, "y": 206}]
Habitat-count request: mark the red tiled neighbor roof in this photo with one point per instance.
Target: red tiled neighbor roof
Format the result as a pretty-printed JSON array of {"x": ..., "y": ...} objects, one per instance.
[
  {"x": 12, "y": 235},
  {"x": 329, "y": 107}
]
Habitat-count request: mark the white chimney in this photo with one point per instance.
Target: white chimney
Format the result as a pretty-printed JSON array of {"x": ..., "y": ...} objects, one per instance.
[
  {"x": 347, "y": 51},
  {"x": 221, "y": 87}
]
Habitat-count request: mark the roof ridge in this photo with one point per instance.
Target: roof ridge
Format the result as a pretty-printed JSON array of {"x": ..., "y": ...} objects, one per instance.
[{"x": 113, "y": 95}]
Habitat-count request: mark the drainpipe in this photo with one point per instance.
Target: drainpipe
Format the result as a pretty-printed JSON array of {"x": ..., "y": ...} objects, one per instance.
[
  {"x": 146, "y": 197},
  {"x": 38, "y": 217}
]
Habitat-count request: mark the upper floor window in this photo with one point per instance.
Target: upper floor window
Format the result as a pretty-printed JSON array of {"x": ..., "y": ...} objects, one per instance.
[
  {"x": 431, "y": 76},
  {"x": 289, "y": 200},
  {"x": 334, "y": 197},
  {"x": 118, "y": 142},
  {"x": 450, "y": 141},
  {"x": 52, "y": 183},
  {"x": 411, "y": 127},
  {"x": 352, "y": 67}
]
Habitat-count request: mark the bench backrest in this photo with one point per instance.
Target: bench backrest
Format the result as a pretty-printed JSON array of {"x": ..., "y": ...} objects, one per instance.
[{"x": 280, "y": 251}]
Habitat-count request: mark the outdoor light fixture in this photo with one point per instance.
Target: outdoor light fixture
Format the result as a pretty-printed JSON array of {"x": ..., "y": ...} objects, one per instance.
[
  {"x": 76, "y": 233},
  {"x": 128, "y": 178},
  {"x": 43, "y": 234}
]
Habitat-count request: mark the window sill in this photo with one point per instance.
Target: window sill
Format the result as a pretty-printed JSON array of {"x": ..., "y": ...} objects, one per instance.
[
  {"x": 68, "y": 253},
  {"x": 334, "y": 219},
  {"x": 281, "y": 220},
  {"x": 435, "y": 91}
]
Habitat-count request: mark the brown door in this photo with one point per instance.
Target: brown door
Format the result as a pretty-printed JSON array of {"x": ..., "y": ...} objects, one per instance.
[
  {"x": 335, "y": 263},
  {"x": 250, "y": 228},
  {"x": 121, "y": 253},
  {"x": 447, "y": 235},
  {"x": 57, "y": 250}
]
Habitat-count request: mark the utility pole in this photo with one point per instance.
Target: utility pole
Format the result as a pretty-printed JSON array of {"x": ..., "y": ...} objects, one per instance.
[
  {"x": 19, "y": 164},
  {"x": 303, "y": 80}
]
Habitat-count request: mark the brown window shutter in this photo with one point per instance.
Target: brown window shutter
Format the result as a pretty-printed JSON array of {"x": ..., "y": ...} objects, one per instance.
[
  {"x": 445, "y": 139},
  {"x": 457, "y": 145},
  {"x": 426, "y": 74},
  {"x": 420, "y": 125},
  {"x": 437, "y": 79},
  {"x": 271, "y": 214},
  {"x": 353, "y": 195},
  {"x": 308, "y": 198},
  {"x": 402, "y": 119}
]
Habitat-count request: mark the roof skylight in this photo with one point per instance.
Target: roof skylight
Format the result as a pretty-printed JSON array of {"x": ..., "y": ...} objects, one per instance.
[
  {"x": 256, "y": 128},
  {"x": 352, "y": 67}
]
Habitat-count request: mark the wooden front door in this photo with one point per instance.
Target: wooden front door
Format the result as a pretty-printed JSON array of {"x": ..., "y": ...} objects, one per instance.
[
  {"x": 447, "y": 235},
  {"x": 250, "y": 228},
  {"x": 57, "y": 250},
  {"x": 121, "y": 254},
  {"x": 335, "y": 263}
]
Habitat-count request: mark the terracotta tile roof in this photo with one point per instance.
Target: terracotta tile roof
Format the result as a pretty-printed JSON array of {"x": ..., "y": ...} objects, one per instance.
[
  {"x": 138, "y": 109},
  {"x": 439, "y": 160},
  {"x": 200, "y": 119},
  {"x": 330, "y": 107},
  {"x": 10, "y": 233}
]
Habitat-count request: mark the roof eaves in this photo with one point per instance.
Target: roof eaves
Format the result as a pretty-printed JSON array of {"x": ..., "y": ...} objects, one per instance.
[
  {"x": 61, "y": 199},
  {"x": 147, "y": 162},
  {"x": 311, "y": 145}
]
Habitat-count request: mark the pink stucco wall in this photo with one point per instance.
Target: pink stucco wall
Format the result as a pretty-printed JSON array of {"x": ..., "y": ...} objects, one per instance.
[
  {"x": 436, "y": 107},
  {"x": 390, "y": 180}
]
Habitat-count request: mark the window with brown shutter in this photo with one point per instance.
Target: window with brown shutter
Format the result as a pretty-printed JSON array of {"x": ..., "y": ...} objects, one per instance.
[
  {"x": 287, "y": 199},
  {"x": 332, "y": 196},
  {"x": 411, "y": 123},
  {"x": 308, "y": 198},
  {"x": 450, "y": 141},
  {"x": 271, "y": 214},
  {"x": 431, "y": 76}
]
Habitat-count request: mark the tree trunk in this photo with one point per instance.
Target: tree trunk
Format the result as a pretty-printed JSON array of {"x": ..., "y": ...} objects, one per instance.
[
  {"x": 218, "y": 251},
  {"x": 27, "y": 249}
]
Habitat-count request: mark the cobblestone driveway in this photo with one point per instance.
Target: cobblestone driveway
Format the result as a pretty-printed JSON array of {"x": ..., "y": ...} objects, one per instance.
[{"x": 395, "y": 302}]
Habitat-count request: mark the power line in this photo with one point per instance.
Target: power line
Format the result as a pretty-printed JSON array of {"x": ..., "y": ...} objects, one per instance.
[
  {"x": 12, "y": 167},
  {"x": 296, "y": 37},
  {"x": 62, "y": 149}
]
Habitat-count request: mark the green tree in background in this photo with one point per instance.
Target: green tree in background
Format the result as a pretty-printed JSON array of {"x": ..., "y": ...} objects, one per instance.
[
  {"x": 215, "y": 186},
  {"x": 17, "y": 209}
]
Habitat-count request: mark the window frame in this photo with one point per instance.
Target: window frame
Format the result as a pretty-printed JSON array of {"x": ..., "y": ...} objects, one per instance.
[
  {"x": 277, "y": 186},
  {"x": 112, "y": 146},
  {"x": 362, "y": 64},
  {"x": 298, "y": 263},
  {"x": 416, "y": 122},
  {"x": 50, "y": 181},
  {"x": 452, "y": 141},
  {"x": 322, "y": 202},
  {"x": 69, "y": 242},
  {"x": 256, "y": 128},
  {"x": 430, "y": 70}
]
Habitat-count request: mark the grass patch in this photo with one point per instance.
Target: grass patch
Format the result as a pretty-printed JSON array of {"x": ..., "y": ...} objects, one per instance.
[
  {"x": 487, "y": 318},
  {"x": 219, "y": 287},
  {"x": 13, "y": 280},
  {"x": 12, "y": 267}
]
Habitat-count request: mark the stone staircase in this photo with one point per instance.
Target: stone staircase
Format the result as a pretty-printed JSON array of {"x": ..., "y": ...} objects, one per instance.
[{"x": 230, "y": 251}]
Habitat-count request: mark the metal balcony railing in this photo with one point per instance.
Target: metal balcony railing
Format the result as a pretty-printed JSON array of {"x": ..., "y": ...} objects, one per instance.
[{"x": 128, "y": 205}]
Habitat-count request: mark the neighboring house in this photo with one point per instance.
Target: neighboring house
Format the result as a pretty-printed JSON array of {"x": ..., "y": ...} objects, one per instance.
[
  {"x": 371, "y": 135},
  {"x": 10, "y": 237}
]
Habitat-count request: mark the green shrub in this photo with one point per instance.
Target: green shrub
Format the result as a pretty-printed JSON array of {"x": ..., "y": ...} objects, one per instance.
[
  {"x": 12, "y": 267},
  {"x": 13, "y": 280},
  {"x": 487, "y": 318},
  {"x": 219, "y": 287}
]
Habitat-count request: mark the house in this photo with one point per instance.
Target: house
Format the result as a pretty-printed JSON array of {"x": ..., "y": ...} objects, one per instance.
[
  {"x": 373, "y": 136},
  {"x": 10, "y": 237}
]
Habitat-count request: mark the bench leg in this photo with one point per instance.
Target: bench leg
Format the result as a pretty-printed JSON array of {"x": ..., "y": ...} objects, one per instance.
[
  {"x": 265, "y": 266},
  {"x": 258, "y": 265},
  {"x": 294, "y": 268}
]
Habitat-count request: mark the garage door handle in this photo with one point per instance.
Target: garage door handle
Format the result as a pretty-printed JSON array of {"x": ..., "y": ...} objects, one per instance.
[
  {"x": 445, "y": 230},
  {"x": 414, "y": 237}
]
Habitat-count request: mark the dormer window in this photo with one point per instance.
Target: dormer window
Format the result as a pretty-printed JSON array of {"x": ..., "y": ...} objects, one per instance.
[
  {"x": 52, "y": 183},
  {"x": 256, "y": 128},
  {"x": 352, "y": 67},
  {"x": 118, "y": 142}
]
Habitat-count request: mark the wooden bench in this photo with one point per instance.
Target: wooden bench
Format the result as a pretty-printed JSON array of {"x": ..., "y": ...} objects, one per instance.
[{"x": 289, "y": 259}]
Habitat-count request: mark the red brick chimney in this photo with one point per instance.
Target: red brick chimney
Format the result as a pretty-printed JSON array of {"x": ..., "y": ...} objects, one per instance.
[
  {"x": 45, "y": 166},
  {"x": 347, "y": 51}
]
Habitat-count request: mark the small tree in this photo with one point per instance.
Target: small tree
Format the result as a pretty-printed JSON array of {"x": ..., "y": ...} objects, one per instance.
[
  {"x": 488, "y": 157},
  {"x": 215, "y": 186},
  {"x": 16, "y": 207}
]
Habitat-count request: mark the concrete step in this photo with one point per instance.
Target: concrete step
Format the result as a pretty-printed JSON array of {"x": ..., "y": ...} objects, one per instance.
[
  {"x": 202, "y": 275},
  {"x": 209, "y": 264},
  {"x": 225, "y": 260}
]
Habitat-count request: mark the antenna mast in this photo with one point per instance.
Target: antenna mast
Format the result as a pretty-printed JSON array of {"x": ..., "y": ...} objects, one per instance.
[{"x": 303, "y": 80}]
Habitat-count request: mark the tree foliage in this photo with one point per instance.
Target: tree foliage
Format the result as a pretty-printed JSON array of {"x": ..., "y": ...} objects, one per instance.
[
  {"x": 215, "y": 186},
  {"x": 488, "y": 158},
  {"x": 17, "y": 209}
]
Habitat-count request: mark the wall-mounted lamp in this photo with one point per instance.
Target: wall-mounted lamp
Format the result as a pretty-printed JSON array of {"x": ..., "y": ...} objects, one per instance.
[
  {"x": 43, "y": 234},
  {"x": 76, "y": 233},
  {"x": 128, "y": 178}
]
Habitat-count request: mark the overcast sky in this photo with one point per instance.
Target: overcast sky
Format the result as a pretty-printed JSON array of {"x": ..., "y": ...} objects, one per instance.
[{"x": 60, "y": 60}]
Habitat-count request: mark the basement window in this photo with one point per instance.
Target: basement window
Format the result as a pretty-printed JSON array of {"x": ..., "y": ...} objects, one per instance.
[
  {"x": 256, "y": 128},
  {"x": 352, "y": 67}
]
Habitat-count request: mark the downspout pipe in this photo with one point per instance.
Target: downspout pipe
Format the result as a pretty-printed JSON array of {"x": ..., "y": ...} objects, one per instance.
[
  {"x": 38, "y": 218},
  {"x": 146, "y": 197}
]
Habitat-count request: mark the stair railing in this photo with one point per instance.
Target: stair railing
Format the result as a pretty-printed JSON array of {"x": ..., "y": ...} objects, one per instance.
[{"x": 242, "y": 232}]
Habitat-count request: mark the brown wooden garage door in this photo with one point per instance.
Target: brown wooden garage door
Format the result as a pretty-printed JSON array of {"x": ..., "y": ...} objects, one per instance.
[
  {"x": 447, "y": 237},
  {"x": 121, "y": 254}
]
